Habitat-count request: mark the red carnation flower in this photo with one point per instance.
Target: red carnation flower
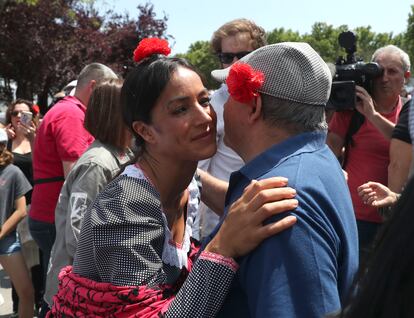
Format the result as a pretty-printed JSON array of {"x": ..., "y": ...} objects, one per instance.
[
  {"x": 150, "y": 46},
  {"x": 36, "y": 109},
  {"x": 243, "y": 82}
]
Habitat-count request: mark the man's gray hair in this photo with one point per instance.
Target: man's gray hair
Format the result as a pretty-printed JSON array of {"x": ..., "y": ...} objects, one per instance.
[
  {"x": 294, "y": 117},
  {"x": 95, "y": 71},
  {"x": 405, "y": 59}
]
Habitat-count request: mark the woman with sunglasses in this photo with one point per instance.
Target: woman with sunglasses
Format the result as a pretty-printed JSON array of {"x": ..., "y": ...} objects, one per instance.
[
  {"x": 21, "y": 137},
  {"x": 136, "y": 256},
  {"x": 230, "y": 43},
  {"x": 20, "y": 133},
  {"x": 20, "y": 143}
]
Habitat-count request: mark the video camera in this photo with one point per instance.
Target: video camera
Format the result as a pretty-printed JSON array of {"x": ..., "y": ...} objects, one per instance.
[{"x": 348, "y": 73}]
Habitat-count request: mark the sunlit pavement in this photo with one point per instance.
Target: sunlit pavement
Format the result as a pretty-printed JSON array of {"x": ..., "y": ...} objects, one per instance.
[{"x": 6, "y": 309}]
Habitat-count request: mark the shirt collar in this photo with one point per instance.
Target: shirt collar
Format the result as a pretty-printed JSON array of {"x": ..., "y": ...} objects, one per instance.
[
  {"x": 298, "y": 144},
  {"x": 76, "y": 101},
  {"x": 123, "y": 157}
]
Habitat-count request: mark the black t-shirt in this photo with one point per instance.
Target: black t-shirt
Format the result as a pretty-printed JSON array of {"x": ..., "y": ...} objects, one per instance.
[
  {"x": 401, "y": 130},
  {"x": 25, "y": 163}
]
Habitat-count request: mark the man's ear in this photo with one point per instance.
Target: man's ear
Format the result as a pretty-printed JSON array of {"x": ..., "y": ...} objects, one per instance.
[
  {"x": 92, "y": 84},
  {"x": 144, "y": 131},
  {"x": 255, "y": 109}
]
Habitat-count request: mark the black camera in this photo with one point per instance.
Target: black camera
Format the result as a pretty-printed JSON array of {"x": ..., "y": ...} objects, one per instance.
[{"x": 348, "y": 73}]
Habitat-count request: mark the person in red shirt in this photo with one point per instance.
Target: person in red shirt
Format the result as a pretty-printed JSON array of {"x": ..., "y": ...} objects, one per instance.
[
  {"x": 61, "y": 139},
  {"x": 367, "y": 157}
]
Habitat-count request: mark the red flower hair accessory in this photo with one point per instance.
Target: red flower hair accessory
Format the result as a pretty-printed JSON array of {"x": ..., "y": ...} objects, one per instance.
[
  {"x": 243, "y": 82},
  {"x": 150, "y": 46},
  {"x": 36, "y": 109}
]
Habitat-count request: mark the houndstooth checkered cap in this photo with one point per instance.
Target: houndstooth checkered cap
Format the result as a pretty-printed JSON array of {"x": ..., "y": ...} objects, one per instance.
[{"x": 292, "y": 70}]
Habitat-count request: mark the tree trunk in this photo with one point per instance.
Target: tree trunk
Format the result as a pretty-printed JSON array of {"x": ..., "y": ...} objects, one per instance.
[
  {"x": 42, "y": 101},
  {"x": 24, "y": 90}
]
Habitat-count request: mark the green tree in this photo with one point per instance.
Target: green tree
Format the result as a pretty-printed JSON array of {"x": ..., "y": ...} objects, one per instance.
[
  {"x": 407, "y": 40},
  {"x": 200, "y": 55},
  {"x": 281, "y": 35},
  {"x": 45, "y": 43},
  {"x": 368, "y": 41},
  {"x": 324, "y": 39}
]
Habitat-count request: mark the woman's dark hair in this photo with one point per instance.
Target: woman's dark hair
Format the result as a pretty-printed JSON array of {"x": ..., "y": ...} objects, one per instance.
[
  {"x": 103, "y": 118},
  {"x": 385, "y": 287},
  {"x": 10, "y": 108},
  {"x": 144, "y": 85}
]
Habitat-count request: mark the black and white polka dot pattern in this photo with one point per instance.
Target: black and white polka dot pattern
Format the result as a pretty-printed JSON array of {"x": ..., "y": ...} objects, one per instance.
[{"x": 122, "y": 240}]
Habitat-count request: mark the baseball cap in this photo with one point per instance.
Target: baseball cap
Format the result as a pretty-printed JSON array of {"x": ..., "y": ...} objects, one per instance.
[
  {"x": 292, "y": 71},
  {"x": 3, "y": 136}
]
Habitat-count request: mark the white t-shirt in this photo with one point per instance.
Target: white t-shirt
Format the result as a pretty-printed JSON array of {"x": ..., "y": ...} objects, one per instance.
[{"x": 221, "y": 165}]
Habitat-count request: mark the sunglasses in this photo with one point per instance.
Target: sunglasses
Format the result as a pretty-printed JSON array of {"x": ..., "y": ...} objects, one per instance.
[
  {"x": 227, "y": 58},
  {"x": 15, "y": 113}
]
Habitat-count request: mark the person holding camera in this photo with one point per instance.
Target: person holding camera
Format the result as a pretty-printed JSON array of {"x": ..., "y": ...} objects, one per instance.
[{"x": 367, "y": 154}]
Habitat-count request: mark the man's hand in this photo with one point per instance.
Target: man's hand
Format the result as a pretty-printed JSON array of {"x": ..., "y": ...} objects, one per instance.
[
  {"x": 29, "y": 130},
  {"x": 365, "y": 105}
]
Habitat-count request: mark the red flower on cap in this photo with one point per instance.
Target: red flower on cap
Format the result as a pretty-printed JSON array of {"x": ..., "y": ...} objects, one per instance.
[
  {"x": 243, "y": 82},
  {"x": 150, "y": 46}
]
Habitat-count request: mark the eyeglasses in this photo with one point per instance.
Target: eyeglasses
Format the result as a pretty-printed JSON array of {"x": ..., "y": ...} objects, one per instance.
[
  {"x": 227, "y": 58},
  {"x": 15, "y": 113}
]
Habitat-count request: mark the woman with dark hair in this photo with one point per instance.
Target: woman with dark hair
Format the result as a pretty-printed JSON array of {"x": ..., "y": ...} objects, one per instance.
[
  {"x": 385, "y": 287},
  {"x": 21, "y": 140},
  {"x": 21, "y": 137},
  {"x": 136, "y": 256},
  {"x": 13, "y": 187},
  {"x": 91, "y": 173}
]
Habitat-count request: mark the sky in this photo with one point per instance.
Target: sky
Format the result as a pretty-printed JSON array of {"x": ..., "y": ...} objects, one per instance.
[{"x": 191, "y": 21}]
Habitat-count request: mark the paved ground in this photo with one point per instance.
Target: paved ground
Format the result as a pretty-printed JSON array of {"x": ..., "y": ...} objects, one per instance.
[{"x": 5, "y": 290}]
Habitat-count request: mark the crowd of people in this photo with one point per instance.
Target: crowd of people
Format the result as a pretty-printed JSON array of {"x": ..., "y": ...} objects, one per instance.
[{"x": 153, "y": 197}]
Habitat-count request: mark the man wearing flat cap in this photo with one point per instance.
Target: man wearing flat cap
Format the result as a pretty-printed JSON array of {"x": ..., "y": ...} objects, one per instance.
[{"x": 275, "y": 120}]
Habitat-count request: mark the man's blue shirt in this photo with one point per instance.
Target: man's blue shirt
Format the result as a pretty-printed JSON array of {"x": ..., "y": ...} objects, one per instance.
[{"x": 305, "y": 271}]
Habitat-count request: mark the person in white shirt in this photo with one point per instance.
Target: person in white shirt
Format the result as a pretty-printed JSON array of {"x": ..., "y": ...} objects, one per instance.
[{"x": 230, "y": 42}]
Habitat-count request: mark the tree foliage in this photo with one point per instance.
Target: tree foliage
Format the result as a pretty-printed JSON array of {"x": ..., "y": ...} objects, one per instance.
[
  {"x": 282, "y": 35},
  {"x": 323, "y": 38},
  {"x": 407, "y": 39},
  {"x": 201, "y": 56},
  {"x": 45, "y": 43}
]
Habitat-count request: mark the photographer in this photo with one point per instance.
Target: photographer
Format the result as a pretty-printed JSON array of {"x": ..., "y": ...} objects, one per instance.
[{"x": 367, "y": 155}]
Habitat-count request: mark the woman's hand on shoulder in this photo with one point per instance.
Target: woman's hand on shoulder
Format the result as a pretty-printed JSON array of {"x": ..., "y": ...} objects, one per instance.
[{"x": 243, "y": 228}]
